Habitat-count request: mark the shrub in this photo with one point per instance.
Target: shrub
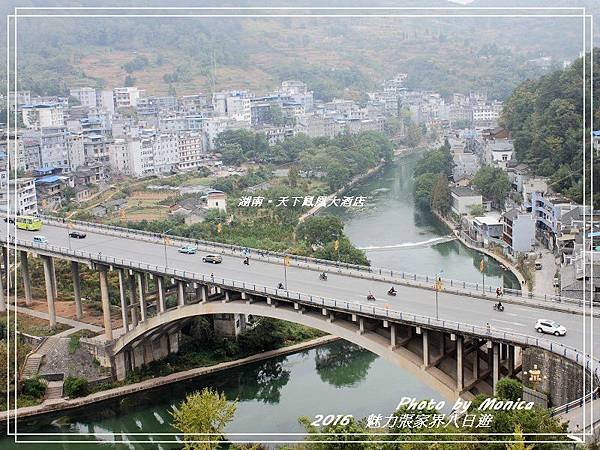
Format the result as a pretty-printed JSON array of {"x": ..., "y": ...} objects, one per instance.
[
  {"x": 75, "y": 387},
  {"x": 509, "y": 389},
  {"x": 34, "y": 387}
]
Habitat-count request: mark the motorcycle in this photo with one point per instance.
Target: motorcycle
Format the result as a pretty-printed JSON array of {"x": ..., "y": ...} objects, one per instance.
[
  {"x": 323, "y": 277},
  {"x": 280, "y": 286},
  {"x": 247, "y": 262},
  {"x": 392, "y": 293},
  {"x": 370, "y": 297},
  {"x": 498, "y": 307}
]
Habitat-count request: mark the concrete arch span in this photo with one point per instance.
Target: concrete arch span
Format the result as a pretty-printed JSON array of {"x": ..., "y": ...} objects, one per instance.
[{"x": 379, "y": 344}]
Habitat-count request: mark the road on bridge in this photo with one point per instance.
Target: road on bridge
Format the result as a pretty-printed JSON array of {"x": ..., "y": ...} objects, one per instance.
[{"x": 458, "y": 308}]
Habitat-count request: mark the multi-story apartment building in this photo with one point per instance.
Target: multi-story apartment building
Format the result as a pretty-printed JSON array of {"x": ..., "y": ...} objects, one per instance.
[
  {"x": 518, "y": 232},
  {"x": 118, "y": 152},
  {"x": 43, "y": 115},
  {"x": 166, "y": 152},
  {"x": 85, "y": 95},
  {"x": 105, "y": 101},
  {"x": 191, "y": 150},
  {"x": 20, "y": 195},
  {"x": 95, "y": 148},
  {"x": 141, "y": 156},
  {"x": 75, "y": 150},
  {"x": 126, "y": 97},
  {"x": 53, "y": 149},
  {"x": 211, "y": 128}
]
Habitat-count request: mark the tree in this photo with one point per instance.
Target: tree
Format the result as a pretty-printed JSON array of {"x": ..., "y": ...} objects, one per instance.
[
  {"x": 129, "y": 81},
  {"x": 441, "y": 197},
  {"x": 206, "y": 411},
  {"x": 232, "y": 154},
  {"x": 423, "y": 187},
  {"x": 476, "y": 210},
  {"x": 493, "y": 183},
  {"x": 519, "y": 441},
  {"x": 293, "y": 177},
  {"x": 509, "y": 389},
  {"x": 319, "y": 230}
]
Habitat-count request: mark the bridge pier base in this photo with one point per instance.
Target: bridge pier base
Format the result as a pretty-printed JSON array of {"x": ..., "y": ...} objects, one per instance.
[
  {"x": 511, "y": 360},
  {"x": 393, "y": 343},
  {"x": 133, "y": 300},
  {"x": 361, "y": 325},
  {"x": 272, "y": 302},
  {"x": 123, "y": 299},
  {"x": 46, "y": 261},
  {"x": 425, "y": 335},
  {"x": 26, "y": 276},
  {"x": 77, "y": 288}
]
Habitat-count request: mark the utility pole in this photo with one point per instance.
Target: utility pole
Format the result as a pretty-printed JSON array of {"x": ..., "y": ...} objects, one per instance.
[
  {"x": 438, "y": 288},
  {"x": 165, "y": 245}
]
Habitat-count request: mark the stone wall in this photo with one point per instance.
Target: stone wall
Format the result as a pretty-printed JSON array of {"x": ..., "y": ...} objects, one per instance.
[{"x": 562, "y": 379}]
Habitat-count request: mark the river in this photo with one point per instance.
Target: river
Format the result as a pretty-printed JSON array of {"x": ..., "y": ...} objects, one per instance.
[{"x": 337, "y": 378}]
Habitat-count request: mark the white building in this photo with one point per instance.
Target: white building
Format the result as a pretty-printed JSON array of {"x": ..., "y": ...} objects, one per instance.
[
  {"x": 43, "y": 115},
  {"x": 216, "y": 200},
  {"x": 126, "y": 97},
  {"x": 464, "y": 199},
  {"x": 519, "y": 231},
  {"x": 238, "y": 108},
  {"x": 118, "y": 152},
  {"x": 191, "y": 150},
  {"x": 75, "y": 150},
  {"x": 21, "y": 196},
  {"x": 105, "y": 101},
  {"x": 53, "y": 148},
  {"x": 166, "y": 152},
  {"x": 211, "y": 128},
  {"x": 85, "y": 95}
]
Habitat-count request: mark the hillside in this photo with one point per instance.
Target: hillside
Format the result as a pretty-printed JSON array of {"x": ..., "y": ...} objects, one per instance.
[
  {"x": 545, "y": 119},
  {"x": 335, "y": 56}
]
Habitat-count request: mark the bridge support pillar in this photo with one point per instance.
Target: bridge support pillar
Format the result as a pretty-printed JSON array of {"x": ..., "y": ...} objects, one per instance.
[
  {"x": 133, "y": 300},
  {"x": 425, "y": 334},
  {"x": 476, "y": 363},
  {"x": 180, "y": 293},
  {"x": 331, "y": 317},
  {"x": 46, "y": 261},
  {"x": 6, "y": 262},
  {"x": 495, "y": 365},
  {"x": 204, "y": 293},
  {"x": 459, "y": 364},
  {"x": 53, "y": 279},
  {"x": 361, "y": 325},
  {"x": 272, "y": 302},
  {"x": 76, "y": 288},
  {"x": 2, "y": 296},
  {"x": 105, "y": 303},
  {"x": 123, "y": 298},
  {"x": 141, "y": 284},
  {"x": 160, "y": 286},
  {"x": 25, "y": 275},
  {"x": 511, "y": 360},
  {"x": 227, "y": 298},
  {"x": 393, "y": 344}
]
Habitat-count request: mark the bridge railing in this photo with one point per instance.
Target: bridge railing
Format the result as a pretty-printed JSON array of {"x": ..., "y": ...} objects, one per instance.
[
  {"x": 401, "y": 277},
  {"x": 590, "y": 364}
]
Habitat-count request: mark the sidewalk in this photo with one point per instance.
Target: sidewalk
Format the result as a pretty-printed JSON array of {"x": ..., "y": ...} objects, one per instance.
[{"x": 544, "y": 278}]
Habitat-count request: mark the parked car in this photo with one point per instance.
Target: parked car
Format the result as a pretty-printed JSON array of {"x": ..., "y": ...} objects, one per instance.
[
  {"x": 538, "y": 266},
  {"x": 550, "y": 327},
  {"x": 215, "y": 259},
  {"x": 189, "y": 249},
  {"x": 77, "y": 234},
  {"x": 40, "y": 239}
]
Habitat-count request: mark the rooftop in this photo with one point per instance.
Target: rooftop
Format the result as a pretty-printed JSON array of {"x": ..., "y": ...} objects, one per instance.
[{"x": 460, "y": 191}]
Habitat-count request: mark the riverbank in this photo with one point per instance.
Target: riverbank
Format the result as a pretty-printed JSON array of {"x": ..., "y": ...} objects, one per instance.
[
  {"x": 59, "y": 405},
  {"x": 357, "y": 179},
  {"x": 508, "y": 264}
]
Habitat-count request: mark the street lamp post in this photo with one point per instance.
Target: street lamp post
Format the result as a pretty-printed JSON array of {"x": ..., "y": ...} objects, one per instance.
[
  {"x": 286, "y": 262},
  {"x": 438, "y": 288},
  {"x": 165, "y": 245}
]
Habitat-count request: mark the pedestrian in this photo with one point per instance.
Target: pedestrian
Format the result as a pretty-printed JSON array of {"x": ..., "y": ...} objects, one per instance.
[{"x": 488, "y": 327}]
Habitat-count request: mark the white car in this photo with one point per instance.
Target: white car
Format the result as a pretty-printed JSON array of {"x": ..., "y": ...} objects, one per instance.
[
  {"x": 40, "y": 239},
  {"x": 550, "y": 327}
]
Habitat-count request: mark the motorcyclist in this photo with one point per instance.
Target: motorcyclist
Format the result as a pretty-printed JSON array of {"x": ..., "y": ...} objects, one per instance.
[
  {"x": 247, "y": 260},
  {"x": 280, "y": 286},
  {"x": 392, "y": 290},
  {"x": 323, "y": 276},
  {"x": 498, "y": 306},
  {"x": 498, "y": 292},
  {"x": 370, "y": 296}
]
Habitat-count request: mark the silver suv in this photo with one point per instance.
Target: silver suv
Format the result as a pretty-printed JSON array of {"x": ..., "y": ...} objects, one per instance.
[{"x": 550, "y": 327}]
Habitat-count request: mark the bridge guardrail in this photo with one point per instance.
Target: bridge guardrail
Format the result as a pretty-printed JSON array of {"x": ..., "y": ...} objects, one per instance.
[
  {"x": 399, "y": 276},
  {"x": 586, "y": 361}
]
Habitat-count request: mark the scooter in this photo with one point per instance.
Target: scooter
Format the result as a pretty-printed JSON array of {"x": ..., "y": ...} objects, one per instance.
[{"x": 498, "y": 307}]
